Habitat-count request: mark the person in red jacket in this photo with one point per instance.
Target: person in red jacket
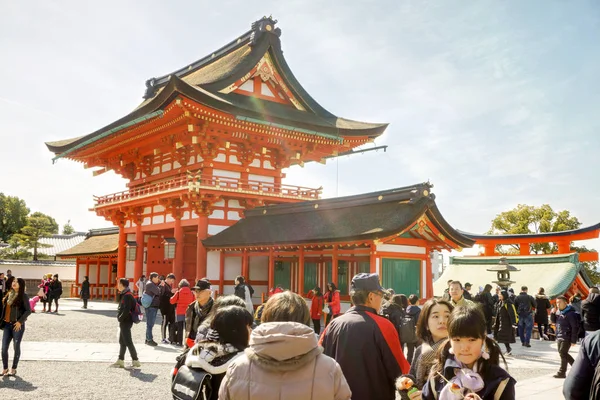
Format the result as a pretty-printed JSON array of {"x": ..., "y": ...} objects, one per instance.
[
  {"x": 332, "y": 299},
  {"x": 316, "y": 308},
  {"x": 183, "y": 297}
]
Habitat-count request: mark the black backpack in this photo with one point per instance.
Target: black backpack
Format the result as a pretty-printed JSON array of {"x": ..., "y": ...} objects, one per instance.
[
  {"x": 407, "y": 329},
  {"x": 190, "y": 383}
]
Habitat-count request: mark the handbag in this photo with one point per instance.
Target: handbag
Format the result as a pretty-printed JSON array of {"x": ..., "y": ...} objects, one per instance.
[
  {"x": 191, "y": 384},
  {"x": 41, "y": 293},
  {"x": 325, "y": 310},
  {"x": 147, "y": 300}
]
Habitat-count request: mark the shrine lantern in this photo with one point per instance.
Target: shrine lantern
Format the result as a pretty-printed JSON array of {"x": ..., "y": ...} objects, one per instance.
[{"x": 503, "y": 270}]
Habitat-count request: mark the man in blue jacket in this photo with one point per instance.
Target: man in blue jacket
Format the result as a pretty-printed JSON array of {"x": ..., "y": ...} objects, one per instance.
[
  {"x": 567, "y": 328},
  {"x": 578, "y": 383}
]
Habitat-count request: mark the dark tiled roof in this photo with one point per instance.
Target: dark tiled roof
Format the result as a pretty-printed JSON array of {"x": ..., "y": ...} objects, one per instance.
[
  {"x": 202, "y": 81},
  {"x": 61, "y": 243},
  {"x": 364, "y": 217},
  {"x": 102, "y": 244}
]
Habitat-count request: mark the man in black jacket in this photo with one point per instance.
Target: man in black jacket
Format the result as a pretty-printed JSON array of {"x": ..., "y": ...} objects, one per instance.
[
  {"x": 127, "y": 304},
  {"x": 590, "y": 311},
  {"x": 525, "y": 304},
  {"x": 366, "y": 345},
  {"x": 167, "y": 309},
  {"x": 577, "y": 385},
  {"x": 154, "y": 288},
  {"x": 567, "y": 328}
]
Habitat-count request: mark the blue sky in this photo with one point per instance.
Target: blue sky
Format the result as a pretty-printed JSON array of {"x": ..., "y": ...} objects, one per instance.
[{"x": 494, "y": 102}]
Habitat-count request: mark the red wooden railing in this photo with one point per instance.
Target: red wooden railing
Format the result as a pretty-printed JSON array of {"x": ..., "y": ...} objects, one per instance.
[{"x": 219, "y": 183}]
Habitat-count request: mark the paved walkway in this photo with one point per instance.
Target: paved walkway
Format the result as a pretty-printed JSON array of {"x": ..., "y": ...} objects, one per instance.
[{"x": 541, "y": 359}]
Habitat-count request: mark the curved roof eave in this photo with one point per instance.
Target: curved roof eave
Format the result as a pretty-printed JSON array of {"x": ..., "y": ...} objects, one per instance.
[
  {"x": 447, "y": 230},
  {"x": 533, "y": 235}
]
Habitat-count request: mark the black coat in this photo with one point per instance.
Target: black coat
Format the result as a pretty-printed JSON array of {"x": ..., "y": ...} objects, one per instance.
[
  {"x": 567, "y": 324},
  {"x": 590, "y": 312},
  {"x": 55, "y": 289},
  {"x": 578, "y": 382},
  {"x": 394, "y": 313},
  {"x": 542, "y": 305},
  {"x": 506, "y": 317},
  {"x": 85, "y": 290},
  {"x": 126, "y": 305}
]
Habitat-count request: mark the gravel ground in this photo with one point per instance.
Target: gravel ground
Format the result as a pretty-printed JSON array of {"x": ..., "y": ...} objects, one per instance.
[
  {"x": 95, "y": 326},
  {"x": 86, "y": 381}
]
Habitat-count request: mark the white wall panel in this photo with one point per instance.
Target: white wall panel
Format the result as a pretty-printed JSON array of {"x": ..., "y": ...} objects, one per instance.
[
  {"x": 233, "y": 267},
  {"x": 261, "y": 178},
  {"x": 233, "y": 216},
  {"x": 214, "y": 229},
  {"x": 212, "y": 266},
  {"x": 226, "y": 174},
  {"x": 259, "y": 268},
  {"x": 397, "y": 248},
  {"x": 218, "y": 214}
]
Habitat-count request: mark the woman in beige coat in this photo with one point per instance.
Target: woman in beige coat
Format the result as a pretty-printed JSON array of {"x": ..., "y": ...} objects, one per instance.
[{"x": 283, "y": 360}]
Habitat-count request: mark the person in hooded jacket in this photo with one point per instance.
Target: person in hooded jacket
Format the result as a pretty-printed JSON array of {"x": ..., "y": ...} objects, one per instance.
[
  {"x": 225, "y": 342},
  {"x": 590, "y": 311},
  {"x": 506, "y": 318},
  {"x": 126, "y": 305},
  {"x": 542, "y": 305},
  {"x": 567, "y": 328},
  {"x": 283, "y": 360}
]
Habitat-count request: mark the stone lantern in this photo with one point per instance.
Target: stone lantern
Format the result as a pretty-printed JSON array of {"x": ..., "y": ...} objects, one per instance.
[{"x": 503, "y": 270}]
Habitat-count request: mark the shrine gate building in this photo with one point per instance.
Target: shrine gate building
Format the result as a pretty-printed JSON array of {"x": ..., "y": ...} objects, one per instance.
[{"x": 204, "y": 155}]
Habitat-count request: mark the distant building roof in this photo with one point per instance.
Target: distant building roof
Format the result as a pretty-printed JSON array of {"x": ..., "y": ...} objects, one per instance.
[
  {"x": 555, "y": 273},
  {"x": 61, "y": 243},
  {"x": 97, "y": 242}
]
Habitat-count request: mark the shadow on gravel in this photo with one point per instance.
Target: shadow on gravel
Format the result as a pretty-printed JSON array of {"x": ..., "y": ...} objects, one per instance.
[
  {"x": 16, "y": 383},
  {"x": 106, "y": 313},
  {"x": 136, "y": 373}
]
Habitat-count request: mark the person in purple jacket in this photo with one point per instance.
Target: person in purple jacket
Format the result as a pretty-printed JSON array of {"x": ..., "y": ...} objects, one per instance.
[{"x": 567, "y": 328}]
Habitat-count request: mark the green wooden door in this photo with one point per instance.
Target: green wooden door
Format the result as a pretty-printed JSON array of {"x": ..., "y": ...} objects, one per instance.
[
  {"x": 364, "y": 266},
  {"x": 342, "y": 277},
  {"x": 404, "y": 276},
  {"x": 310, "y": 276},
  {"x": 283, "y": 276}
]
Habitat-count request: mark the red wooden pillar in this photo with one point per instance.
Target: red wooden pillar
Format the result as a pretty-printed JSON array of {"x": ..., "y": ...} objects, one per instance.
[
  {"x": 564, "y": 247},
  {"x": 373, "y": 258},
  {"x": 121, "y": 260},
  {"x": 221, "y": 270},
  {"x": 428, "y": 277},
  {"x": 178, "y": 261},
  {"x": 245, "y": 267},
  {"x": 271, "y": 269},
  {"x": 301, "y": 271},
  {"x": 524, "y": 249},
  {"x": 138, "y": 267},
  {"x": 489, "y": 249},
  {"x": 201, "y": 260},
  {"x": 334, "y": 265},
  {"x": 98, "y": 273}
]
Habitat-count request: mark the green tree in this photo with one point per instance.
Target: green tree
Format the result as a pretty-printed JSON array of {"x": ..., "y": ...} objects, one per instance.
[
  {"x": 13, "y": 216},
  {"x": 526, "y": 219},
  {"x": 68, "y": 228},
  {"x": 38, "y": 226}
]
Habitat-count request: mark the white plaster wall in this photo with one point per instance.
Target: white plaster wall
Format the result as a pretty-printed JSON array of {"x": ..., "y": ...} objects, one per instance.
[
  {"x": 82, "y": 272},
  {"x": 93, "y": 273},
  {"x": 146, "y": 221},
  {"x": 228, "y": 289},
  {"x": 131, "y": 237},
  {"x": 255, "y": 163},
  {"x": 159, "y": 208},
  {"x": 157, "y": 219},
  {"x": 37, "y": 271},
  {"x": 166, "y": 167},
  {"x": 220, "y": 203},
  {"x": 377, "y": 266},
  {"x": 233, "y": 267},
  {"x": 156, "y": 170},
  {"x": 212, "y": 266},
  {"x": 226, "y": 174},
  {"x": 261, "y": 178},
  {"x": 104, "y": 273},
  {"x": 259, "y": 268},
  {"x": 221, "y": 158},
  {"x": 234, "y": 160},
  {"x": 219, "y": 214},
  {"x": 214, "y": 229},
  {"x": 147, "y": 210},
  {"x": 258, "y": 291},
  {"x": 267, "y": 164},
  {"x": 185, "y": 216},
  {"x": 233, "y": 216},
  {"x": 423, "y": 278},
  {"x": 176, "y": 165},
  {"x": 128, "y": 224},
  {"x": 129, "y": 266},
  {"x": 169, "y": 218},
  {"x": 234, "y": 204},
  {"x": 397, "y": 248}
]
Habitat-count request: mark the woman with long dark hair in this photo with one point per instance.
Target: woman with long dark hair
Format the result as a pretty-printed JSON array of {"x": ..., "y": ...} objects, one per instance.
[
  {"x": 14, "y": 314},
  {"x": 432, "y": 330},
  {"x": 332, "y": 300},
  {"x": 506, "y": 317}
]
